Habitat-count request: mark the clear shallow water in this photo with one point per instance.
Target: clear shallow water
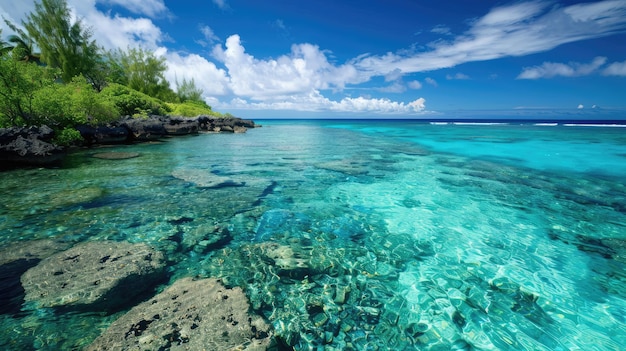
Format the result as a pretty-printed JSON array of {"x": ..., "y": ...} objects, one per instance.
[{"x": 359, "y": 235}]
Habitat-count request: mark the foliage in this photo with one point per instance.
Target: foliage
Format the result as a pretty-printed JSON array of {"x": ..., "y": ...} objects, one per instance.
[
  {"x": 144, "y": 72},
  {"x": 22, "y": 46},
  {"x": 130, "y": 102},
  {"x": 192, "y": 109},
  {"x": 19, "y": 83},
  {"x": 72, "y": 104},
  {"x": 67, "y": 136},
  {"x": 63, "y": 44},
  {"x": 187, "y": 91}
]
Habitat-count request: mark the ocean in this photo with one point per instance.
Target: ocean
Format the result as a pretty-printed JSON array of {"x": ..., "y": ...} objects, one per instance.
[{"x": 352, "y": 234}]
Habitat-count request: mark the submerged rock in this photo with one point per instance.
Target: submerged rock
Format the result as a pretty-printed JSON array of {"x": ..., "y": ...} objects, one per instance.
[
  {"x": 204, "y": 178},
  {"x": 15, "y": 260},
  {"x": 94, "y": 276},
  {"x": 277, "y": 222},
  {"x": 189, "y": 315},
  {"x": 116, "y": 155}
]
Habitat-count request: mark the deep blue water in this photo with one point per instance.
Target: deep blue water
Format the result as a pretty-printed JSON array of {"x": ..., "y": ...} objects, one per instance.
[{"x": 363, "y": 235}]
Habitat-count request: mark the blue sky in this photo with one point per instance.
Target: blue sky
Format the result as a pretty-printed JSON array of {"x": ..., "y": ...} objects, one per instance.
[{"x": 367, "y": 58}]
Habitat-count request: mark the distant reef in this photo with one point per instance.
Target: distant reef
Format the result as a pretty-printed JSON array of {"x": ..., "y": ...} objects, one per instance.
[{"x": 34, "y": 146}]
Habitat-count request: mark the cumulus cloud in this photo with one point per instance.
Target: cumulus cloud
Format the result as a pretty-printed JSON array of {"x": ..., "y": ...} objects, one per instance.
[
  {"x": 304, "y": 69},
  {"x": 207, "y": 76},
  {"x": 316, "y": 102},
  {"x": 511, "y": 30},
  {"x": 414, "y": 84},
  {"x": 615, "y": 69},
  {"x": 553, "y": 69}
]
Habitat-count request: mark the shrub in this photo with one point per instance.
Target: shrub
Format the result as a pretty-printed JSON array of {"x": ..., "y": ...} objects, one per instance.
[
  {"x": 67, "y": 105},
  {"x": 191, "y": 109},
  {"x": 130, "y": 102},
  {"x": 67, "y": 136}
]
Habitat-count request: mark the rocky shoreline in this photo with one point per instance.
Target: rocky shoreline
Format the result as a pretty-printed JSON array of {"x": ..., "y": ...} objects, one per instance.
[{"x": 34, "y": 146}]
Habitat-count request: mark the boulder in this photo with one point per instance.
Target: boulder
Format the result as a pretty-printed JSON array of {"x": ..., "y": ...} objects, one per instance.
[
  {"x": 29, "y": 145},
  {"x": 98, "y": 276},
  {"x": 107, "y": 134},
  {"x": 145, "y": 129},
  {"x": 181, "y": 126},
  {"x": 189, "y": 315}
]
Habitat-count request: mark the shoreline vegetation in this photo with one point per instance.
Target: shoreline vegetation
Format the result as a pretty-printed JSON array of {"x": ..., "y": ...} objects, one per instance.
[{"x": 59, "y": 89}]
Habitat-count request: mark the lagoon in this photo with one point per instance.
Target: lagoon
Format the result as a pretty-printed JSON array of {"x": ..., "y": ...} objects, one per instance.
[{"x": 362, "y": 235}]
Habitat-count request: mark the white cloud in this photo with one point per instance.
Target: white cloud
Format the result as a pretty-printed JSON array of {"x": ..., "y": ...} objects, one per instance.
[
  {"x": 150, "y": 8},
  {"x": 553, "y": 69},
  {"x": 512, "y": 30},
  {"x": 209, "y": 36},
  {"x": 431, "y": 81},
  {"x": 441, "y": 29},
  {"x": 110, "y": 30},
  {"x": 414, "y": 84},
  {"x": 615, "y": 69},
  {"x": 458, "y": 76},
  {"x": 315, "y": 102},
  {"x": 581, "y": 106},
  {"x": 212, "y": 80},
  {"x": 306, "y": 68},
  {"x": 396, "y": 87},
  {"x": 221, "y": 4}
]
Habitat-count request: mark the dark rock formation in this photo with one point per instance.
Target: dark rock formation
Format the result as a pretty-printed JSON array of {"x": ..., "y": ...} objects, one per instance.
[
  {"x": 110, "y": 134},
  {"x": 33, "y": 145},
  {"x": 228, "y": 125},
  {"x": 98, "y": 276},
  {"x": 29, "y": 146},
  {"x": 189, "y": 315},
  {"x": 181, "y": 126},
  {"x": 145, "y": 129}
]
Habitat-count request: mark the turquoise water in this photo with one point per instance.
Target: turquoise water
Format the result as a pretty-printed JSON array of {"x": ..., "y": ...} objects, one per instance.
[{"x": 358, "y": 235}]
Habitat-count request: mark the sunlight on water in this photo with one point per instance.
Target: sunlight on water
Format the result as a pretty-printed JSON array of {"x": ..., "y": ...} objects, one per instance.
[{"x": 353, "y": 235}]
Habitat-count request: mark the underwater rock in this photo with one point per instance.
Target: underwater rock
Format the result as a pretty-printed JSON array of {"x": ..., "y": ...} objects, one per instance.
[
  {"x": 204, "y": 178},
  {"x": 16, "y": 259},
  {"x": 31, "y": 250},
  {"x": 281, "y": 221},
  {"x": 116, "y": 155},
  {"x": 189, "y": 315},
  {"x": 94, "y": 276}
]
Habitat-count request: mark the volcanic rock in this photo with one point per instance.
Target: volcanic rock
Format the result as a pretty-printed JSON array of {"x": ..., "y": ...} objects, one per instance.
[
  {"x": 94, "y": 276},
  {"x": 189, "y": 315}
]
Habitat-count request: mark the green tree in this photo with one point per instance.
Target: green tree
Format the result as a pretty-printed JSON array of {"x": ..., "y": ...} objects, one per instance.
[
  {"x": 22, "y": 45},
  {"x": 4, "y": 46},
  {"x": 187, "y": 91},
  {"x": 19, "y": 82},
  {"x": 63, "y": 44},
  {"x": 145, "y": 72}
]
